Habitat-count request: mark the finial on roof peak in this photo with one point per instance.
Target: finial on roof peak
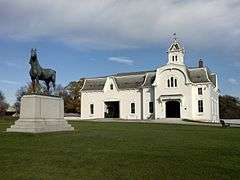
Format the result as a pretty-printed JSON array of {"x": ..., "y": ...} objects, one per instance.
[
  {"x": 176, "y": 44},
  {"x": 174, "y": 37}
]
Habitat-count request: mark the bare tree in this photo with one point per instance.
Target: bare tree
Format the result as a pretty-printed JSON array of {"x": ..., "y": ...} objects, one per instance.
[{"x": 3, "y": 104}]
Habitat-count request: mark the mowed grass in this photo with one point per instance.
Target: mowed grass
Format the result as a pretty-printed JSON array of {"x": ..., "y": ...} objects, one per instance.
[{"x": 121, "y": 151}]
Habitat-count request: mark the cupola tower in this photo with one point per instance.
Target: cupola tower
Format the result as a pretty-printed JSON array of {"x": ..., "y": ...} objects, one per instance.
[{"x": 176, "y": 52}]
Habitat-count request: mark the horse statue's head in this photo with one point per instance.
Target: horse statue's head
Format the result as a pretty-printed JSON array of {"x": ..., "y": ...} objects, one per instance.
[{"x": 33, "y": 58}]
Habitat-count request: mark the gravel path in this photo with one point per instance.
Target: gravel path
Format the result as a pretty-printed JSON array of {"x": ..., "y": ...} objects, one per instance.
[{"x": 164, "y": 121}]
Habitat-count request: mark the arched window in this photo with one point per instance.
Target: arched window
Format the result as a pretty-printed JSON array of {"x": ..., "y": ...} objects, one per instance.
[
  {"x": 111, "y": 86},
  {"x": 172, "y": 58},
  {"x": 168, "y": 83},
  {"x": 171, "y": 81},
  {"x": 175, "y": 58}
]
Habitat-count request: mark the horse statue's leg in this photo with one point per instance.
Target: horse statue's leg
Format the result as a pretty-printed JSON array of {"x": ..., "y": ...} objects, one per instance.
[
  {"x": 48, "y": 86},
  {"x": 33, "y": 86},
  {"x": 37, "y": 85},
  {"x": 54, "y": 86},
  {"x": 37, "y": 81},
  {"x": 54, "y": 80}
]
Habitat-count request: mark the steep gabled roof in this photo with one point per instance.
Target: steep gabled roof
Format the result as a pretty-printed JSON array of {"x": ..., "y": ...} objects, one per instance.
[
  {"x": 130, "y": 82},
  {"x": 150, "y": 77},
  {"x": 136, "y": 80},
  {"x": 201, "y": 75},
  {"x": 213, "y": 78},
  {"x": 176, "y": 46},
  {"x": 197, "y": 75},
  {"x": 94, "y": 84},
  {"x": 134, "y": 73}
]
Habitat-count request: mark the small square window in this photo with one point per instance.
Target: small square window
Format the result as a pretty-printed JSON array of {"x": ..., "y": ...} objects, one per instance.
[
  {"x": 111, "y": 86},
  {"x": 200, "y": 91}
]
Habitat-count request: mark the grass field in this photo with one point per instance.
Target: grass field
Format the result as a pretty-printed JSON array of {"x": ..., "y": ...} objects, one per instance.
[{"x": 121, "y": 151}]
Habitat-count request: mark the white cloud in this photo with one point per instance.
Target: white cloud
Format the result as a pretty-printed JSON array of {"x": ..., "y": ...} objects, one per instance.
[
  {"x": 121, "y": 60},
  {"x": 237, "y": 64},
  {"x": 9, "y": 82},
  {"x": 113, "y": 24},
  {"x": 12, "y": 64},
  {"x": 233, "y": 81}
]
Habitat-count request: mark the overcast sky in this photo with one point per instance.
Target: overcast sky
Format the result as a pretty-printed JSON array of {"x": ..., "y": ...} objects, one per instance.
[{"x": 98, "y": 37}]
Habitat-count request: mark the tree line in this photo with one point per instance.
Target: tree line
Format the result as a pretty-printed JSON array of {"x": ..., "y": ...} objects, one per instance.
[
  {"x": 3, "y": 104},
  {"x": 229, "y": 106},
  {"x": 70, "y": 94}
]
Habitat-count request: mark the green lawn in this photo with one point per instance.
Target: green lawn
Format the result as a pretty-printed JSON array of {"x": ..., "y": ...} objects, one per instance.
[{"x": 121, "y": 151}]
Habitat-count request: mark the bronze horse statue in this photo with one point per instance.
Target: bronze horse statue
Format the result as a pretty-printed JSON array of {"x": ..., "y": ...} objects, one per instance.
[{"x": 38, "y": 73}]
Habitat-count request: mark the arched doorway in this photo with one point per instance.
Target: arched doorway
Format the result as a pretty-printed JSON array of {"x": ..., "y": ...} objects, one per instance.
[{"x": 172, "y": 109}]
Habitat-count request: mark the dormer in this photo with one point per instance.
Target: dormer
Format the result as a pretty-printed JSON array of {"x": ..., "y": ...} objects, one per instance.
[
  {"x": 110, "y": 84},
  {"x": 176, "y": 53}
]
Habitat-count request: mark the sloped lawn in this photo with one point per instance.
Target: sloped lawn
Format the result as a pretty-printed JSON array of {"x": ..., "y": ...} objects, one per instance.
[{"x": 121, "y": 151}]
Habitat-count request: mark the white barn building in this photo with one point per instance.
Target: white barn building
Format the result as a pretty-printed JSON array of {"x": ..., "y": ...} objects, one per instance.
[{"x": 171, "y": 91}]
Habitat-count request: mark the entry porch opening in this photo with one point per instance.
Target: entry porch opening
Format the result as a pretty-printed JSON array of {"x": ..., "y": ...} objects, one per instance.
[
  {"x": 173, "y": 109},
  {"x": 112, "y": 109}
]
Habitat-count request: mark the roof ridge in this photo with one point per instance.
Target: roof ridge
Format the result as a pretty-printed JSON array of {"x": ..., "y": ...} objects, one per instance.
[
  {"x": 195, "y": 68},
  {"x": 92, "y": 78},
  {"x": 134, "y": 73}
]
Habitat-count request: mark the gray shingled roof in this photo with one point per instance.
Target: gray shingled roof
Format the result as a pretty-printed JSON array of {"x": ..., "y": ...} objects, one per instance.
[
  {"x": 200, "y": 75},
  {"x": 197, "y": 75},
  {"x": 94, "y": 84},
  {"x": 135, "y": 80},
  {"x": 130, "y": 82},
  {"x": 134, "y": 73},
  {"x": 149, "y": 79},
  {"x": 213, "y": 78}
]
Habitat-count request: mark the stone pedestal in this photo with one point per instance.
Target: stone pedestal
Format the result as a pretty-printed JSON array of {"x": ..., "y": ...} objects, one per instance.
[{"x": 40, "y": 114}]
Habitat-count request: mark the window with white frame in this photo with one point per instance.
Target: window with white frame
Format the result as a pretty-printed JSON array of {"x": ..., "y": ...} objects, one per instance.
[
  {"x": 172, "y": 82},
  {"x": 200, "y": 91},
  {"x": 175, "y": 80},
  {"x": 111, "y": 86},
  {"x": 91, "y": 108},
  {"x": 150, "y": 107},
  {"x": 174, "y": 58},
  {"x": 133, "y": 108},
  {"x": 200, "y": 106}
]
